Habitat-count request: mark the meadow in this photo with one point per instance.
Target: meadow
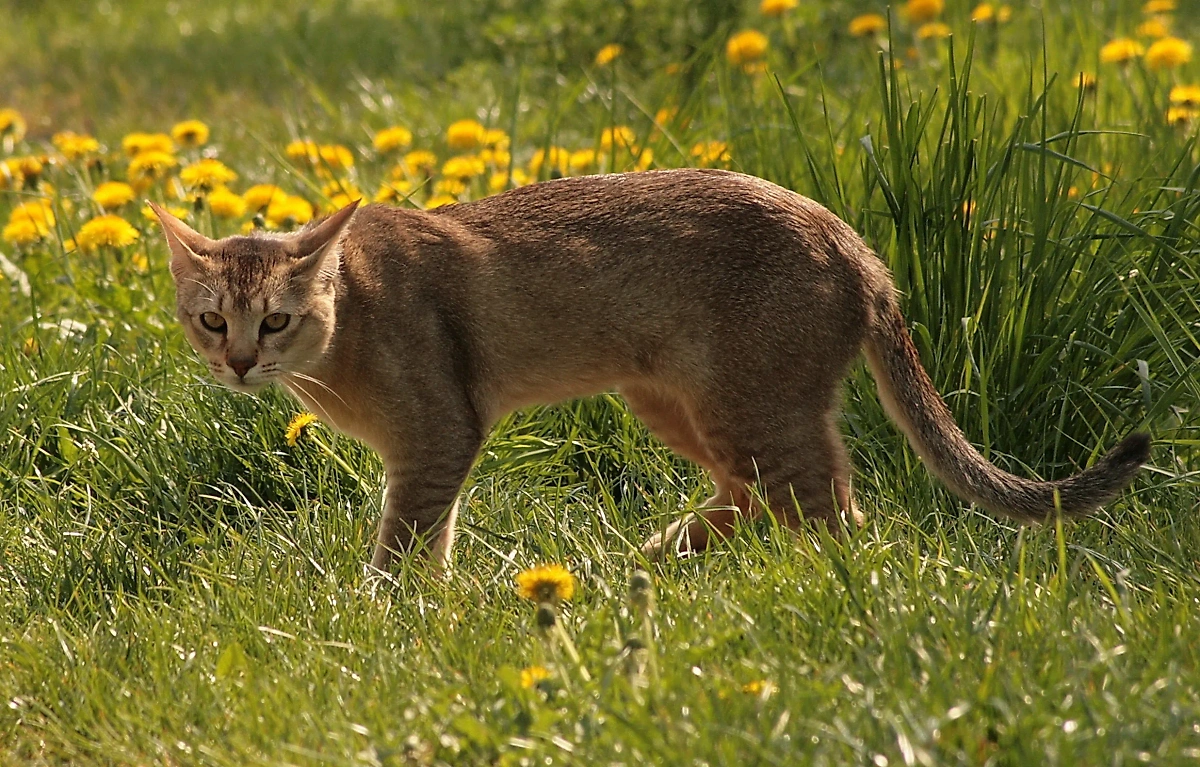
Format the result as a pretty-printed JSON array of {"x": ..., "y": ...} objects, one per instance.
[{"x": 182, "y": 573}]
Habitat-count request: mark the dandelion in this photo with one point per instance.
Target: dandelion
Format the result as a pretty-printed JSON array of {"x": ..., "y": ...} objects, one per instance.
[
  {"x": 920, "y": 11},
  {"x": 530, "y": 677},
  {"x": 496, "y": 138},
  {"x": 1168, "y": 53},
  {"x": 302, "y": 149},
  {"x": 12, "y": 125},
  {"x": 106, "y": 231},
  {"x": 451, "y": 187},
  {"x": 1003, "y": 14},
  {"x": 933, "y": 30},
  {"x": 260, "y": 196},
  {"x": 776, "y": 7},
  {"x": 135, "y": 144},
  {"x": 558, "y": 159},
  {"x": 497, "y": 158},
  {"x": 393, "y": 138},
  {"x": 23, "y": 232},
  {"x": 418, "y": 162},
  {"x": 1153, "y": 28},
  {"x": 1185, "y": 95},
  {"x": 150, "y": 166},
  {"x": 226, "y": 204},
  {"x": 709, "y": 153},
  {"x": 645, "y": 159},
  {"x": 113, "y": 194},
  {"x": 465, "y": 135},
  {"x": 176, "y": 211},
  {"x": 39, "y": 212},
  {"x": 74, "y": 146},
  {"x": 608, "y": 54},
  {"x": 1159, "y": 6},
  {"x": 756, "y": 687},
  {"x": 867, "y": 24},
  {"x": 1085, "y": 81},
  {"x": 297, "y": 426},
  {"x": 546, "y": 583},
  {"x": 341, "y": 187},
  {"x": 335, "y": 156},
  {"x": 746, "y": 47},
  {"x": 30, "y": 347},
  {"x": 288, "y": 211},
  {"x": 464, "y": 167},
  {"x": 190, "y": 133},
  {"x": 501, "y": 181},
  {"x": 206, "y": 174},
  {"x": 394, "y": 191},
  {"x": 582, "y": 160},
  {"x": 1121, "y": 51},
  {"x": 621, "y": 135},
  {"x": 1182, "y": 116},
  {"x": 439, "y": 200},
  {"x": 983, "y": 12}
]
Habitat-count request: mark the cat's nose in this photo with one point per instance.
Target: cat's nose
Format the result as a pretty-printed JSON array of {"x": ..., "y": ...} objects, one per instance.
[{"x": 241, "y": 365}]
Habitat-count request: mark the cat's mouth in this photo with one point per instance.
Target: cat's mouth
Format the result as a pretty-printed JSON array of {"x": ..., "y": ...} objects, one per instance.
[{"x": 245, "y": 386}]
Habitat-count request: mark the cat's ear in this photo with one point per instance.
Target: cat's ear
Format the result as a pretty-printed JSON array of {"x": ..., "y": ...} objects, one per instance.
[
  {"x": 315, "y": 249},
  {"x": 186, "y": 244}
]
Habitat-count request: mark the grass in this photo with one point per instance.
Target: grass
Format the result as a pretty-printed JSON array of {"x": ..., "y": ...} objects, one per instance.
[{"x": 179, "y": 586}]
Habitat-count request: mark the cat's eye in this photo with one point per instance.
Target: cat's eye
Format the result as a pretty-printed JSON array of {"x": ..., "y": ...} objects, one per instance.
[
  {"x": 213, "y": 321},
  {"x": 275, "y": 322}
]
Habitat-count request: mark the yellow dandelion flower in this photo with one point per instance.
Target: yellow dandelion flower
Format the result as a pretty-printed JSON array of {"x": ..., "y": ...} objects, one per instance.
[
  {"x": 206, "y": 174},
  {"x": 582, "y": 160},
  {"x": 867, "y": 24},
  {"x": 260, "y": 196},
  {"x": 497, "y": 158},
  {"x": 1159, "y": 6},
  {"x": 416, "y": 163},
  {"x": 137, "y": 143},
  {"x": 30, "y": 347},
  {"x": 297, "y": 427},
  {"x": 74, "y": 146},
  {"x": 439, "y": 200},
  {"x": 337, "y": 202},
  {"x": 1153, "y": 28},
  {"x": 645, "y": 160},
  {"x": 394, "y": 191},
  {"x": 23, "y": 232},
  {"x": 1182, "y": 116},
  {"x": 1121, "y": 51},
  {"x": 920, "y": 11},
  {"x": 710, "y": 153},
  {"x": 464, "y": 166},
  {"x": 113, "y": 194},
  {"x": 106, "y": 231},
  {"x": 532, "y": 675},
  {"x": 302, "y": 149},
  {"x": 465, "y": 135},
  {"x": 776, "y": 7},
  {"x": 496, "y": 139},
  {"x": 498, "y": 182},
  {"x": 1085, "y": 81},
  {"x": 288, "y": 211},
  {"x": 558, "y": 159},
  {"x": 226, "y": 204},
  {"x": 608, "y": 54},
  {"x": 450, "y": 187},
  {"x": 756, "y": 687},
  {"x": 1185, "y": 95},
  {"x": 1168, "y": 53},
  {"x": 547, "y": 583},
  {"x": 1003, "y": 14},
  {"x": 12, "y": 124},
  {"x": 746, "y": 47},
  {"x": 150, "y": 166},
  {"x": 393, "y": 138},
  {"x": 38, "y": 211},
  {"x": 621, "y": 135},
  {"x": 933, "y": 30},
  {"x": 190, "y": 133},
  {"x": 341, "y": 187},
  {"x": 335, "y": 156},
  {"x": 983, "y": 12}
]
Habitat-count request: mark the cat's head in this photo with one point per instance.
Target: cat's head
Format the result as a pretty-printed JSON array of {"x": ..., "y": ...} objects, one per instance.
[{"x": 257, "y": 308}]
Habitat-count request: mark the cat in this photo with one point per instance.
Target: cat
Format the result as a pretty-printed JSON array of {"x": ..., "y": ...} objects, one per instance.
[{"x": 725, "y": 309}]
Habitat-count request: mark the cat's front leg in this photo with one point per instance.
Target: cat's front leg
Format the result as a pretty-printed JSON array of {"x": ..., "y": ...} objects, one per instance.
[{"x": 420, "y": 503}]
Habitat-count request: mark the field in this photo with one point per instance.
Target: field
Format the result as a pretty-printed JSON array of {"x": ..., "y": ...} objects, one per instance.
[{"x": 182, "y": 576}]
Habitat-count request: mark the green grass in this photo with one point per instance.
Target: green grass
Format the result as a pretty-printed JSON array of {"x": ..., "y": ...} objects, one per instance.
[{"x": 178, "y": 586}]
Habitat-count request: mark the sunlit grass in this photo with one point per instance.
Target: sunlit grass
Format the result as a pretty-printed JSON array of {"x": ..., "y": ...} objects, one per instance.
[{"x": 182, "y": 568}]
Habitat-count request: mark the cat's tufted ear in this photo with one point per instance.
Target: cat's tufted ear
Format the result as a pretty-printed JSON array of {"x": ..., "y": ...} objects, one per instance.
[
  {"x": 186, "y": 244},
  {"x": 315, "y": 249}
]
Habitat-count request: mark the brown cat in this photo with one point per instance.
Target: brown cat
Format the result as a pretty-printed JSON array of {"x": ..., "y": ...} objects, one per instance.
[{"x": 724, "y": 308}]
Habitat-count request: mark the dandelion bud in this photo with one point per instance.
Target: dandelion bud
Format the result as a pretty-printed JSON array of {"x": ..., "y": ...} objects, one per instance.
[{"x": 546, "y": 617}]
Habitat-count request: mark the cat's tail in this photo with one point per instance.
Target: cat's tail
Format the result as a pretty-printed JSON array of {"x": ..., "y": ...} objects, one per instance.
[{"x": 914, "y": 404}]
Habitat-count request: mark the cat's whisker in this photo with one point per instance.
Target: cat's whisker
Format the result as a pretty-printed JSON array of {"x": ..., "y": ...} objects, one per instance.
[
  {"x": 318, "y": 382},
  {"x": 211, "y": 292},
  {"x": 324, "y": 413}
]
